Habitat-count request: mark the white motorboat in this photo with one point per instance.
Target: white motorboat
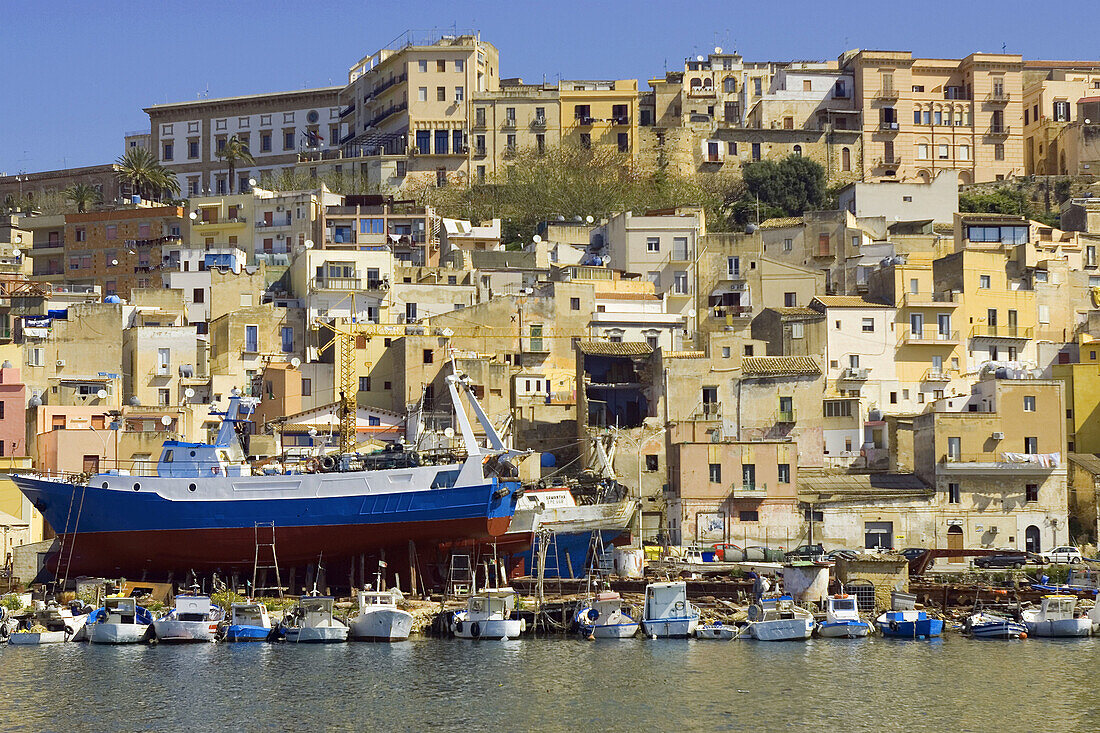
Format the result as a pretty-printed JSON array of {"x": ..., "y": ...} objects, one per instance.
[
  {"x": 716, "y": 631},
  {"x": 194, "y": 618},
  {"x": 667, "y": 612},
  {"x": 986, "y": 625},
  {"x": 779, "y": 619},
  {"x": 120, "y": 621},
  {"x": 602, "y": 617},
  {"x": 312, "y": 621},
  {"x": 379, "y": 618},
  {"x": 842, "y": 619},
  {"x": 1056, "y": 617},
  {"x": 489, "y": 615},
  {"x": 248, "y": 621},
  {"x": 53, "y": 625}
]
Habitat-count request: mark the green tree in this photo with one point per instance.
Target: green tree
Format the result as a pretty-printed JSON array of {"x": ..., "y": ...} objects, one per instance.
[
  {"x": 82, "y": 196},
  {"x": 141, "y": 170},
  {"x": 235, "y": 152},
  {"x": 786, "y": 187}
]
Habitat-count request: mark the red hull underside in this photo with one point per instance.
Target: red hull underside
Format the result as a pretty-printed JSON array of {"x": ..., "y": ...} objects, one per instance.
[{"x": 158, "y": 552}]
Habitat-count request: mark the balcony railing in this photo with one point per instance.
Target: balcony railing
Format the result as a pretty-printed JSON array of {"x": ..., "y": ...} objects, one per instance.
[
  {"x": 930, "y": 335},
  {"x": 387, "y": 84},
  {"x": 509, "y": 123},
  {"x": 479, "y": 151},
  {"x": 709, "y": 411},
  {"x": 929, "y": 300},
  {"x": 539, "y": 123},
  {"x": 620, "y": 120},
  {"x": 853, "y": 374},
  {"x": 997, "y": 95},
  {"x": 584, "y": 120},
  {"x": 786, "y": 416},
  {"x": 984, "y": 330},
  {"x": 347, "y": 110},
  {"x": 888, "y": 93},
  {"x": 936, "y": 375},
  {"x": 337, "y": 283},
  {"x": 1007, "y": 460},
  {"x": 889, "y": 161},
  {"x": 888, "y": 126},
  {"x": 749, "y": 491},
  {"x": 479, "y": 123},
  {"x": 731, "y": 311},
  {"x": 998, "y": 130}
]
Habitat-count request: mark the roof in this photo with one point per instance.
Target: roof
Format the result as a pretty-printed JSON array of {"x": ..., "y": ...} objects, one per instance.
[
  {"x": 848, "y": 301},
  {"x": 781, "y": 222},
  {"x": 243, "y": 98},
  {"x": 1087, "y": 461},
  {"x": 615, "y": 348},
  {"x": 779, "y": 366},
  {"x": 503, "y": 260},
  {"x": 943, "y": 228},
  {"x": 800, "y": 310},
  {"x": 825, "y": 488}
]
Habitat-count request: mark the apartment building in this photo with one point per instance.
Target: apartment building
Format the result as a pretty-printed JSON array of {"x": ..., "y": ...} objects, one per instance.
[
  {"x": 508, "y": 120},
  {"x": 1081, "y": 378},
  {"x": 996, "y": 458},
  {"x": 921, "y": 116},
  {"x": 412, "y": 232},
  {"x": 45, "y": 184},
  {"x": 1051, "y": 92},
  {"x": 188, "y": 136}
]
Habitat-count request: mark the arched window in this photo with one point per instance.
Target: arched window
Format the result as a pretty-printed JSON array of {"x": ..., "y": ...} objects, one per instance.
[
  {"x": 729, "y": 85},
  {"x": 696, "y": 83},
  {"x": 708, "y": 83},
  {"x": 798, "y": 150},
  {"x": 845, "y": 159}
]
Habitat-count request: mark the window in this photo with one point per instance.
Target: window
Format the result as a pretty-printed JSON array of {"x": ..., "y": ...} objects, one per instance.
[
  {"x": 756, "y": 152},
  {"x": 288, "y": 140},
  {"x": 307, "y": 387},
  {"x": 922, "y": 151},
  {"x": 985, "y": 282},
  {"x": 287, "y": 334},
  {"x": 944, "y": 152},
  {"x": 422, "y": 66},
  {"x": 1031, "y": 445},
  {"x": 1031, "y": 493},
  {"x": 679, "y": 249},
  {"x": 575, "y": 304},
  {"x": 1029, "y": 403},
  {"x": 265, "y": 142},
  {"x": 784, "y": 473},
  {"x": 878, "y": 534},
  {"x": 797, "y": 330},
  {"x": 441, "y": 65},
  {"x": 110, "y": 231},
  {"x": 252, "y": 339},
  {"x": 733, "y": 266},
  {"x": 680, "y": 283},
  {"x": 460, "y": 64},
  {"x": 716, "y": 473},
  {"x": 838, "y": 408},
  {"x": 964, "y": 152},
  {"x": 168, "y": 148},
  {"x": 790, "y": 300},
  {"x": 953, "y": 493},
  {"x": 1061, "y": 111},
  {"x": 788, "y": 244},
  {"x": 845, "y": 159},
  {"x": 364, "y": 384},
  {"x": 422, "y": 94},
  {"x": 441, "y": 94},
  {"x": 748, "y": 516},
  {"x": 868, "y": 325},
  {"x": 651, "y": 463},
  {"x": 726, "y": 352},
  {"x": 428, "y": 356},
  {"x": 999, "y": 151}
]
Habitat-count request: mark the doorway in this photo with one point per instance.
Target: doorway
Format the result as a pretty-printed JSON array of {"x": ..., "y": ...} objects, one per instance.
[
  {"x": 954, "y": 537},
  {"x": 1031, "y": 538},
  {"x": 91, "y": 464}
]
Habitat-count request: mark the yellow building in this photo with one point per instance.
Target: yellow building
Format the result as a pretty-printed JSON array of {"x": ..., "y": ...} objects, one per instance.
[
  {"x": 1082, "y": 384},
  {"x": 1051, "y": 92},
  {"x": 600, "y": 113},
  {"x": 921, "y": 116},
  {"x": 221, "y": 220}
]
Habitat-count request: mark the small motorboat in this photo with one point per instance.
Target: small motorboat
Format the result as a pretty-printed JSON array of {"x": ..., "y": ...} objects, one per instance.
[
  {"x": 193, "y": 619},
  {"x": 779, "y": 619},
  {"x": 667, "y": 612},
  {"x": 909, "y": 625},
  {"x": 716, "y": 631},
  {"x": 489, "y": 615},
  {"x": 312, "y": 621},
  {"x": 52, "y": 625},
  {"x": 842, "y": 619},
  {"x": 248, "y": 621},
  {"x": 119, "y": 621},
  {"x": 379, "y": 618},
  {"x": 986, "y": 625},
  {"x": 602, "y": 617},
  {"x": 1056, "y": 617}
]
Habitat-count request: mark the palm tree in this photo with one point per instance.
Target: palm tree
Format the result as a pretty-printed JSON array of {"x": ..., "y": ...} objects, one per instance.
[
  {"x": 82, "y": 195},
  {"x": 233, "y": 153},
  {"x": 145, "y": 174}
]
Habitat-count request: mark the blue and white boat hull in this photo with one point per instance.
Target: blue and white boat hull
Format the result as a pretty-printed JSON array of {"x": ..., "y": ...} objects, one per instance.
[{"x": 844, "y": 629}]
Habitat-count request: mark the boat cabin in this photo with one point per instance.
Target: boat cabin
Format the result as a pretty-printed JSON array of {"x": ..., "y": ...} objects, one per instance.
[
  {"x": 491, "y": 603},
  {"x": 196, "y": 460},
  {"x": 121, "y": 610},
  {"x": 1057, "y": 608},
  {"x": 316, "y": 611},
  {"x": 376, "y": 599},
  {"x": 192, "y": 608},
  {"x": 250, "y": 614},
  {"x": 842, "y": 608},
  {"x": 666, "y": 600}
]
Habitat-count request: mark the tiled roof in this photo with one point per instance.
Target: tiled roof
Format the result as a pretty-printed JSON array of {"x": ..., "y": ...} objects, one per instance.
[
  {"x": 1087, "y": 461},
  {"x": 943, "y": 228},
  {"x": 611, "y": 348},
  {"x": 779, "y": 366},
  {"x": 848, "y": 301},
  {"x": 781, "y": 222},
  {"x": 800, "y": 310}
]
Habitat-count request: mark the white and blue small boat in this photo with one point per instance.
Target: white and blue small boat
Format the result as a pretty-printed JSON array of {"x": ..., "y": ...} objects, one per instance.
[
  {"x": 119, "y": 621},
  {"x": 716, "y": 631},
  {"x": 779, "y": 619},
  {"x": 1056, "y": 617},
  {"x": 842, "y": 619},
  {"x": 909, "y": 625},
  {"x": 985, "y": 625},
  {"x": 312, "y": 621},
  {"x": 193, "y": 619},
  {"x": 602, "y": 617},
  {"x": 667, "y": 612},
  {"x": 248, "y": 622}
]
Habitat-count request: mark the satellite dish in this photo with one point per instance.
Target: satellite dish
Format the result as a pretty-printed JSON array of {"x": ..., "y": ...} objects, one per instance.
[
  {"x": 34, "y": 401},
  {"x": 16, "y": 252},
  {"x": 589, "y": 219},
  {"x": 134, "y": 401},
  {"x": 698, "y": 58},
  {"x": 309, "y": 244},
  {"x": 188, "y": 393},
  {"x": 114, "y": 262},
  {"x": 718, "y": 49},
  {"x": 449, "y": 432},
  {"x": 691, "y": 313},
  {"x": 313, "y": 432},
  {"x": 165, "y": 420},
  {"x": 536, "y": 239},
  {"x": 447, "y": 333},
  {"x": 295, "y": 363},
  {"x": 194, "y": 215},
  {"x": 252, "y": 181},
  {"x": 101, "y": 394}
]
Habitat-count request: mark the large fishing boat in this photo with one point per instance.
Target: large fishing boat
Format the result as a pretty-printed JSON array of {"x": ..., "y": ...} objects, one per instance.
[{"x": 201, "y": 509}]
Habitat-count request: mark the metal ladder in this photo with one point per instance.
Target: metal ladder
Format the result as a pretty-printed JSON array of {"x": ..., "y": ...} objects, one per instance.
[
  {"x": 460, "y": 577},
  {"x": 598, "y": 564},
  {"x": 268, "y": 528}
]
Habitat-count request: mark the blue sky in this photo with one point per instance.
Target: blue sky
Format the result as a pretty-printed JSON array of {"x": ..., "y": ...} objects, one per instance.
[{"x": 74, "y": 76}]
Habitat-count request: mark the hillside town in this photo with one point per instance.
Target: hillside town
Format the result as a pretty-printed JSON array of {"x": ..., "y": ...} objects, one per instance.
[{"x": 894, "y": 365}]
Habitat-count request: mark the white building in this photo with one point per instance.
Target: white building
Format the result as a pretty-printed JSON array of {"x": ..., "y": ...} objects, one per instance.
[
  {"x": 188, "y": 269},
  {"x": 636, "y": 317}
]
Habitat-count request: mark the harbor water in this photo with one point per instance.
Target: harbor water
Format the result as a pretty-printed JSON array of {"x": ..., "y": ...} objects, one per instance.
[{"x": 555, "y": 685}]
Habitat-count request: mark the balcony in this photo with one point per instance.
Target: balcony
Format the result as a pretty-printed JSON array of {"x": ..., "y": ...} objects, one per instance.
[
  {"x": 535, "y": 345},
  {"x": 347, "y": 110},
  {"x": 749, "y": 491},
  {"x": 998, "y": 96},
  {"x": 538, "y": 123},
  {"x": 929, "y": 300},
  {"x": 891, "y": 161},
  {"x": 708, "y": 411},
  {"x": 998, "y": 131},
  {"x": 929, "y": 336},
  {"x": 479, "y": 151},
  {"x": 702, "y": 91},
  {"x": 387, "y": 84},
  {"x": 888, "y": 126},
  {"x": 509, "y": 151},
  {"x": 391, "y": 111},
  {"x": 264, "y": 224},
  {"x": 621, "y": 120},
  {"x": 731, "y": 311},
  {"x": 936, "y": 375},
  {"x": 888, "y": 93},
  {"x": 786, "y": 417},
  {"x": 584, "y": 120},
  {"x": 479, "y": 123},
  {"x": 337, "y": 283},
  {"x": 984, "y": 330},
  {"x": 1008, "y": 462},
  {"x": 853, "y": 374}
]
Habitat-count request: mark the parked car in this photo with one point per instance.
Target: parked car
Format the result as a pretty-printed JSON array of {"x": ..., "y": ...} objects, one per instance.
[
  {"x": 840, "y": 552},
  {"x": 806, "y": 552},
  {"x": 1063, "y": 554},
  {"x": 1012, "y": 559}
]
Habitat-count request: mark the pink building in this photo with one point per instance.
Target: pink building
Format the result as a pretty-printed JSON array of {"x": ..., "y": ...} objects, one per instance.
[{"x": 13, "y": 412}]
